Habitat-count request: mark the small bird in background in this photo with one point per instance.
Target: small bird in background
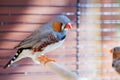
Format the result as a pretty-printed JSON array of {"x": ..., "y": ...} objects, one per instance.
[
  {"x": 116, "y": 58},
  {"x": 46, "y": 38}
]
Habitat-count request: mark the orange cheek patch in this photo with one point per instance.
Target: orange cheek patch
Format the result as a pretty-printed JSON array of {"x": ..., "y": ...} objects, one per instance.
[{"x": 56, "y": 26}]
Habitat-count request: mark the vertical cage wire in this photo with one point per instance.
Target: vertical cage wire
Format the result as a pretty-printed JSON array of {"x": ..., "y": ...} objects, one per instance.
[{"x": 77, "y": 35}]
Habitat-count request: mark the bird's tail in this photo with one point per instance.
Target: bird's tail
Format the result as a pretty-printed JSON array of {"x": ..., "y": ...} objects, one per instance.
[
  {"x": 18, "y": 56},
  {"x": 13, "y": 60}
]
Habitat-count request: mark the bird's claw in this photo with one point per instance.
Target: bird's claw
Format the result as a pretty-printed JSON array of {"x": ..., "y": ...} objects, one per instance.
[{"x": 44, "y": 59}]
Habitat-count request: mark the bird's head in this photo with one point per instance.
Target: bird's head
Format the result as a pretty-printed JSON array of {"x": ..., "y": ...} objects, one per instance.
[
  {"x": 61, "y": 23},
  {"x": 116, "y": 52},
  {"x": 116, "y": 58}
]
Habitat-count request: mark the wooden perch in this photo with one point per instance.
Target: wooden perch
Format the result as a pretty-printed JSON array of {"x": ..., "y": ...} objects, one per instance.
[{"x": 60, "y": 70}]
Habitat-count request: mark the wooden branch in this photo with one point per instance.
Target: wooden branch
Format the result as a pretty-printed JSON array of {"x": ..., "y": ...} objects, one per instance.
[{"x": 60, "y": 70}]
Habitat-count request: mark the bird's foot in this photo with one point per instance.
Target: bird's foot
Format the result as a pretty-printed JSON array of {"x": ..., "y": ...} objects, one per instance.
[{"x": 45, "y": 59}]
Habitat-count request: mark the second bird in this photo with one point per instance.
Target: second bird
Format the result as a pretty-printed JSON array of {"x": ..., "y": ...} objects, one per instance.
[{"x": 116, "y": 58}]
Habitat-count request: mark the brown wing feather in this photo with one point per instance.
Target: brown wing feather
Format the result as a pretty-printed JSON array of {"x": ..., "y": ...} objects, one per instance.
[
  {"x": 51, "y": 39},
  {"x": 27, "y": 40},
  {"x": 37, "y": 36}
]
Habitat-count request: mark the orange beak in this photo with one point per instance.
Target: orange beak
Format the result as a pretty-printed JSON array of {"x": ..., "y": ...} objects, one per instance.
[
  {"x": 111, "y": 51},
  {"x": 68, "y": 26}
]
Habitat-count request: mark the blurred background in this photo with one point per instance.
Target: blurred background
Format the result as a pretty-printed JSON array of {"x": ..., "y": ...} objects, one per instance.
[{"x": 96, "y": 29}]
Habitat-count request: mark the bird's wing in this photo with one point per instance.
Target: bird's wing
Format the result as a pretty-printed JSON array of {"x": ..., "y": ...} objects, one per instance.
[
  {"x": 38, "y": 37},
  {"x": 50, "y": 39}
]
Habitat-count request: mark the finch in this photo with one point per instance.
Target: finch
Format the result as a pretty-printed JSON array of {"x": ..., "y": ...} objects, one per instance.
[
  {"x": 116, "y": 58},
  {"x": 46, "y": 38}
]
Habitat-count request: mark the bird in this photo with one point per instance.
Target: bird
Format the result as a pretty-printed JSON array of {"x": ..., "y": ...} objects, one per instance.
[
  {"x": 44, "y": 39},
  {"x": 116, "y": 58}
]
